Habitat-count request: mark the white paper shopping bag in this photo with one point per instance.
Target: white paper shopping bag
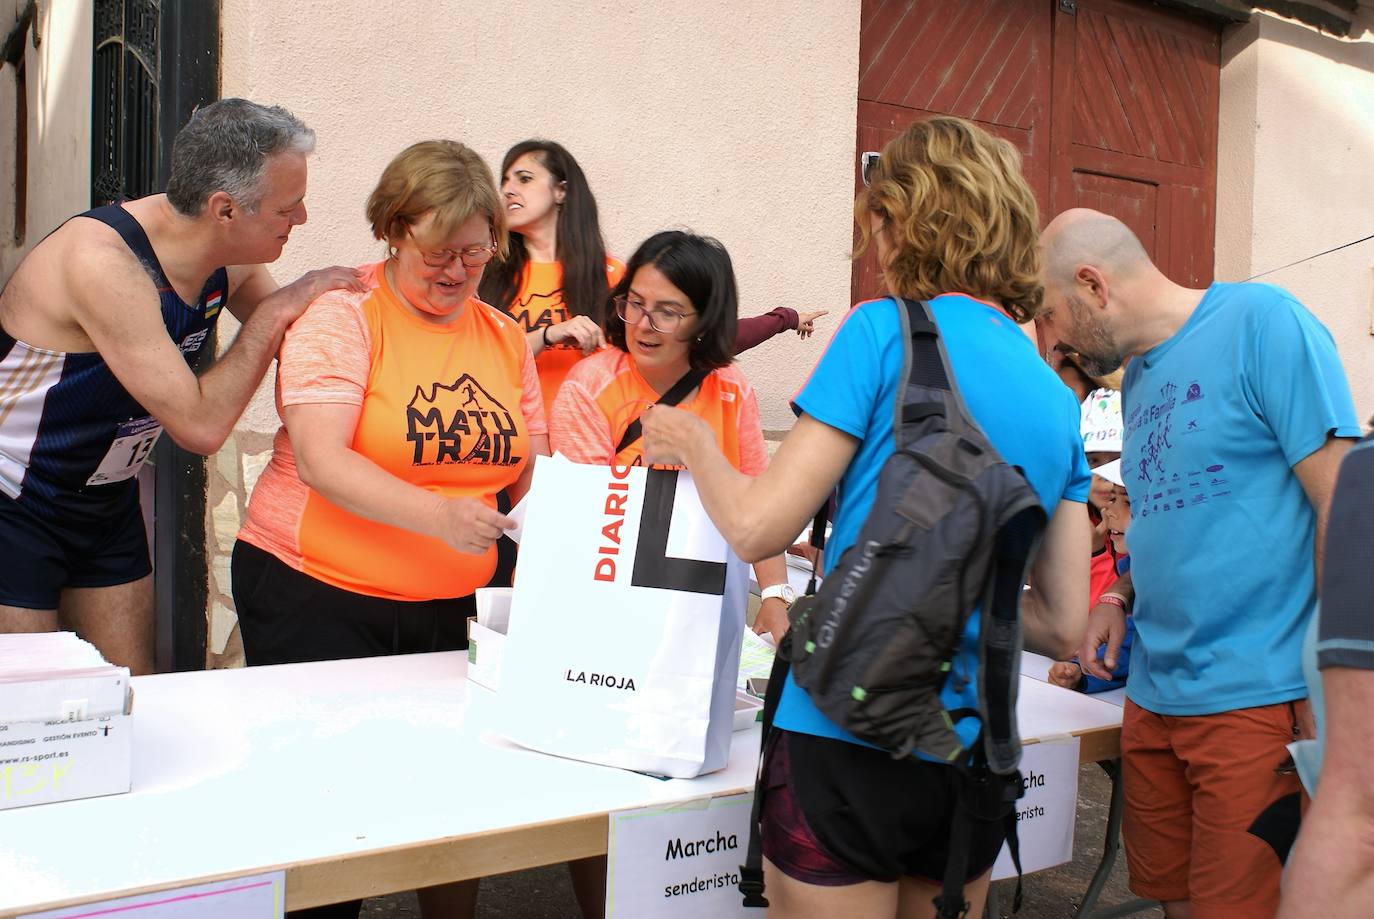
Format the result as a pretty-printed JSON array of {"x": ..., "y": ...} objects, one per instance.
[{"x": 626, "y": 623}]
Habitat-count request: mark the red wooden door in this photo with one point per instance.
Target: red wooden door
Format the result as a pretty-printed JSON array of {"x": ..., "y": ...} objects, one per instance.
[
  {"x": 1135, "y": 127},
  {"x": 985, "y": 60},
  {"x": 1113, "y": 105}
]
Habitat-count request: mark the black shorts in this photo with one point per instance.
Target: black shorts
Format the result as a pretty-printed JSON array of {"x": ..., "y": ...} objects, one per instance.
[
  {"x": 287, "y": 617},
  {"x": 39, "y": 557},
  {"x": 837, "y": 813}
]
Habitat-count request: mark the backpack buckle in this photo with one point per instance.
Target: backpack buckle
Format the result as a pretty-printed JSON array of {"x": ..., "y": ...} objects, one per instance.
[
  {"x": 951, "y": 908},
  {"x": 751, "y": 885}
]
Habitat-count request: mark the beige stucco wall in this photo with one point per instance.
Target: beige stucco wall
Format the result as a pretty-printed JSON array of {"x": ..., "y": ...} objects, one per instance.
[
  {"x": 732, "y": 118},
  {"x": 58, "y": 73},
  {"x": 1295, "y": 146}
]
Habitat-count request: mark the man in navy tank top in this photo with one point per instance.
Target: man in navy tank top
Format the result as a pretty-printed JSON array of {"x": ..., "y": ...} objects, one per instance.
[{"x": 102, "y": 327}]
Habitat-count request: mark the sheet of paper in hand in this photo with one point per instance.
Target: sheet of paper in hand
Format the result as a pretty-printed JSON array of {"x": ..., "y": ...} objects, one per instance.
[{"x": 626, "y": 623}]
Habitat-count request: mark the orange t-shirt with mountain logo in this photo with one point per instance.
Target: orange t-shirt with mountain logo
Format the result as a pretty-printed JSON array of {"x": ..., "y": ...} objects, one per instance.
[
  {"x": 449, "y": 408},
  {"x": 605, "y": 393},
  {"x": 539, "y": 303}
]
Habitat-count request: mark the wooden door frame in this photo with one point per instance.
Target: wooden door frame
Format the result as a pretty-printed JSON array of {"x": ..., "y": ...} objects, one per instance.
[
  {"x": 190, "y": 78},
  {"x": 186, "y": 76},
  {"x": 1066, "y": 158}
]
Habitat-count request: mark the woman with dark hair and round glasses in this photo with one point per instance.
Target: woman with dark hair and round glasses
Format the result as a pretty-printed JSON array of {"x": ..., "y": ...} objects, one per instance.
[
  {"x": 674, "y": 315},
  {"x": 673, "y": 319}
]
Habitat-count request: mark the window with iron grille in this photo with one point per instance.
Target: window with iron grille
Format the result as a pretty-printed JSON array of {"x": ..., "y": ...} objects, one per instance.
[{"x": 124, "y": 100}]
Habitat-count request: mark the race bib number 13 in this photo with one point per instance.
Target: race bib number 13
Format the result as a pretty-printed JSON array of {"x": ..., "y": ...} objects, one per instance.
[{"x": 133, "y": 444}]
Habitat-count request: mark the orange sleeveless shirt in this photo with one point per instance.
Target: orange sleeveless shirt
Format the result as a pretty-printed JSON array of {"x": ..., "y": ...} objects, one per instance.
[{"x": 450, "y": 409}]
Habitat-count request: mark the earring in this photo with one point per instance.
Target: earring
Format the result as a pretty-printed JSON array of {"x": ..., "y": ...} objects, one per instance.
[{"x": 391, "y": 251}]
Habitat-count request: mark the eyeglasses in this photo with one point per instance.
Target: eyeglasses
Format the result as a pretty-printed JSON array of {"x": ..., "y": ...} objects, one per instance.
[
  {"x": 867, "y": 161},
  {"x": 661, "y": 319},
  {"x": 472, "y": 256}
]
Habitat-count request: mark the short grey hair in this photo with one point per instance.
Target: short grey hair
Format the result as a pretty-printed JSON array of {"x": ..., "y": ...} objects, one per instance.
[{"x": 225, "y": 147}]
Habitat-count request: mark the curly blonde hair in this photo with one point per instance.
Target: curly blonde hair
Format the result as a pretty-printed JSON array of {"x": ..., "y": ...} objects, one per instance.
[{"x": 959, "y": 215}]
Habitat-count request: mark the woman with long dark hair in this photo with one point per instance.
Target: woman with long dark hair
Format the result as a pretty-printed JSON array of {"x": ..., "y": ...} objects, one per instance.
[
  {"x": 557, "y": 277},
  {"x": 673, "y": 318}
]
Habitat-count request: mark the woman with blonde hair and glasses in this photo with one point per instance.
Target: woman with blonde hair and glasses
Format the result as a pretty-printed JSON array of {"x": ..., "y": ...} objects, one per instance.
[
  {"x": 406, "y": 408},
  {"x": 847, "y": 829}
]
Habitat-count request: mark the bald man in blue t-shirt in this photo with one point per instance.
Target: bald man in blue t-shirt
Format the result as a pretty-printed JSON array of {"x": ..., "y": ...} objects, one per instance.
[{"x": 1237, "y": 415}]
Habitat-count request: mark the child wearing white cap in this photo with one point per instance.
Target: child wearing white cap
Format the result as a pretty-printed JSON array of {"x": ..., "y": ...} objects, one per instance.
[
  {"x": 1109, "y": 509},
  {"x": 1099, "y": 421}
]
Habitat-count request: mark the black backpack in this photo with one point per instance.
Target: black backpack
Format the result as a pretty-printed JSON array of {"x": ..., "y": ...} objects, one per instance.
[{"x": 953, "y": 529}]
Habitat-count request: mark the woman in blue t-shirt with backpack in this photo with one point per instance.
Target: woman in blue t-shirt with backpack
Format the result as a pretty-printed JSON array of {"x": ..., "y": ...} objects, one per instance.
[{"x": 847, "y": 829}]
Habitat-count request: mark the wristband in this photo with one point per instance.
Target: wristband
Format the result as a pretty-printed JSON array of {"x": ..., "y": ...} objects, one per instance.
[
  {"x": 1113, "y": 600},
  {"x": 546, "y": 335}
]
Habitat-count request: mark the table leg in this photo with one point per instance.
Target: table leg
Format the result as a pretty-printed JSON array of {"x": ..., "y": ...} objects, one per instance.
[{"x": 1110, "y": 847}]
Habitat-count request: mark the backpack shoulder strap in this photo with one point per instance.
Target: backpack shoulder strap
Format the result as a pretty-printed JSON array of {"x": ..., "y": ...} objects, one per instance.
[
  {"x": 818, "y": 525},
  {"x": 751, "y": 872},
  {"x": 930, "y": 387}
]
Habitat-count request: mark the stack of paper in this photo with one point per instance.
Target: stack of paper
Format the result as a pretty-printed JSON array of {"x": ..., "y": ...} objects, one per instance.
[
  {"x": 55, "y": 676},
  {"x": 64, "y": 720},
  {"x": 493, "y": 608},
  {"x": 755, "y": 657},
  {"x": 487, "y": 636}
]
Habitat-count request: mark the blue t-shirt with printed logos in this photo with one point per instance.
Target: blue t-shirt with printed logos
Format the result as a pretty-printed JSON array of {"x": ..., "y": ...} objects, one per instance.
[
  {"x": 1222, "y": 531},
  {"x": 1027, "y": 413}
]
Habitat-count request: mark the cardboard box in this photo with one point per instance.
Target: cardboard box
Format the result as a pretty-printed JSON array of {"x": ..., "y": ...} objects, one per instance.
[
  {"x": 485, "y": 647},
  {"x": 748, "y": 709},
  {"x": 42, "y": 762},
  {"x": 66, "y": 697}
]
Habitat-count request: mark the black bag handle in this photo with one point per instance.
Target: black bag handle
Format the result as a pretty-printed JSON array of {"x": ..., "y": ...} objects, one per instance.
[
  {"x": 818, "y": 542},
  {"x": 679, "y": 390},
  {"x": 751, "y": 872}
]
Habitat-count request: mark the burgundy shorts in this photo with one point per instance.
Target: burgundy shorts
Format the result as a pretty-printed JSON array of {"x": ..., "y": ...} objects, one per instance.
[{"x": 837, "y": 813}]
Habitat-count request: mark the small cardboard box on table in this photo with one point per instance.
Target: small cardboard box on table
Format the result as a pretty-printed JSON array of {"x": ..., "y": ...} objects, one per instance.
[
  {"x": 487, "y": 636},
  {"x": 84, "y": 755},
  {"x": 65, "y": 732}
]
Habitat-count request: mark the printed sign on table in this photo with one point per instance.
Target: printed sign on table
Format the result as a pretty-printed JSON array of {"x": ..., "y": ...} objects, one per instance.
[
  {"x": 1045, "y": 814},
  {"x": 679, "y": 860},
  {"x": 260, "y": 896}
]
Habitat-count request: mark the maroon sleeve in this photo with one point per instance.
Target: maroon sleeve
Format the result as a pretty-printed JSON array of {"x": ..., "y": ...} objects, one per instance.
[{"x": 758, "y": 329}]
